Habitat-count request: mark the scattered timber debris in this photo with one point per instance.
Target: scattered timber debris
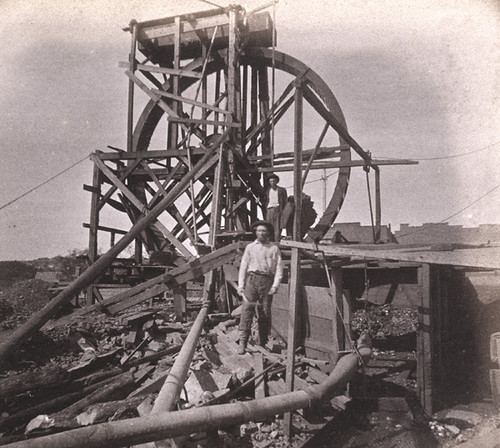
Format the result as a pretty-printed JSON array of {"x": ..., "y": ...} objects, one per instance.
[{"x": 112, "y": 368}]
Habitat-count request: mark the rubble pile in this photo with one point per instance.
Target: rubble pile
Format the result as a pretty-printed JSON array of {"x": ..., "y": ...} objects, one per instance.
[
  {"x": 112, "y": 367},
  {"x": 385, "y": 321},
  {"x": 21, "y": 300}
]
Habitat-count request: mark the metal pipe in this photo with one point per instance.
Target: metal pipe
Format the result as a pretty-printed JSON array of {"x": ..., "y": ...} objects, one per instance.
[
  {"x": 167, "y": 425},
  {"x": 97, "y": 268},
  {"x": 171, "y": 389}
]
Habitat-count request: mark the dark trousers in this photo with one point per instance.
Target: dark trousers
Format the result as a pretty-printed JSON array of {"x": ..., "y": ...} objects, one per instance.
[
  {"x": 273, "y": 216},
  {"x": 259, "y": 301}
]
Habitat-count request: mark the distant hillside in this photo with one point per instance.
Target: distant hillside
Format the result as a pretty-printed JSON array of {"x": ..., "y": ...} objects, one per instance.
[
  {"x": 66, "y": 267},
  {"x": 15, "y": 271}
]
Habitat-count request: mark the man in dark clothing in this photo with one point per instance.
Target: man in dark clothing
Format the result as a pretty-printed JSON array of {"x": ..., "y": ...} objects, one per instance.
[{"x": 274, "y": 204}]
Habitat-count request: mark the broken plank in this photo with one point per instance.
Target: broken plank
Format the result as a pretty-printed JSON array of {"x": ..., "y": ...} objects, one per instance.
[
  {"x": 164, "y": 70},
  {"x": 102, "y": 412},
  {"x": 178, "y": 276},
  {"x": 260, "y": 383}
]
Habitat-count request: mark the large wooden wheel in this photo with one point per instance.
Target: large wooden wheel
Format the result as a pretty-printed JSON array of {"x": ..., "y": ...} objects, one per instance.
[{"x": 252, "y": 87}]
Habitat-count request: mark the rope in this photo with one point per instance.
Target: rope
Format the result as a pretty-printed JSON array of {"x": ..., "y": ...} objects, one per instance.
[
  {"x": 455, "y": 214},
  {"x": 339, "y": 312},
  {"x": 453, "y": 155},
  {"x": 43, "y": 183},
  {"x": 371, "y": 206}
]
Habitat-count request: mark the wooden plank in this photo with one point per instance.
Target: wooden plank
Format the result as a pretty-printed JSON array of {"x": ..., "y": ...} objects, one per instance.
[
  {"x": 487, "y": 257},
  {"x": 378, "y": 209},
  {"x": 122, "y": 177},
  {"x": 260, "y": 386},
  {"x": 136, "y": 299},
  {"x": 323, "y": 152},
  {"x": 175, "y": 119},
  {"x": 94, "y": 225},
  {"x": 190, "y": 101},
  {"x": 106, "y": 229},
  {"x": 326, "y": 165},
  {"x": 295, "y": 281},
  {"x": 131, "y": 66},
  {"x": 179, "y": 294},
  {"x": 184, "y": 273},
  {"x": 256, "y": 129},
  {"x": 163, "y": 70},
  {"x": 140, "y": 206},
  {"x": 150, "y": 154},
  {"x": 424, "y": 342},
  {"x": 338, "y": 309}
]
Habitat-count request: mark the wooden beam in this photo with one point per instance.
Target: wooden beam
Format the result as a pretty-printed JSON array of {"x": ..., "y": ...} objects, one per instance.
[
  {"x": 150, "y": 155},
  {"x": 175, "y": 119},
  {"x": 163, "y": 70},
  {"x": 255, "y": 129},
  {"x": 481, "y": 257},
  {"x": 94, "y": 225},
  {"x": 140, "y": 206},
  {"x": 190, "y": 101},
  {"x": 295, "y": 280},
  {"x": 424, "y": 341},
  {"x": 326, "y": 165},
  {"x": 122, "y": 177},
  {"x": 36, "y": 321},
  {"x": 131, "y": 67},
  {"x": 178, "y": 276},
  {"x": 378, "y": 209},
  {"x": 323, "y": 152},
  {"x": 106, "y": 229}
]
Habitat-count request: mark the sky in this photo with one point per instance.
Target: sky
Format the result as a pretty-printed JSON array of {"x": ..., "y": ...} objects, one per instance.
[{"x": 414, "y": 80}]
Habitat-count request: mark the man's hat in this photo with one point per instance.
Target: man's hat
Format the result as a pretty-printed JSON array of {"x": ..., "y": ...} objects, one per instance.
[
  {"x": 274, "y": 176},
  {"x": 269, "y": 226}
]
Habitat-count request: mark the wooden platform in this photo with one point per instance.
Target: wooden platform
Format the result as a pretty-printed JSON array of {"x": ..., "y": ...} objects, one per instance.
[{"x": 156, "y": 38}]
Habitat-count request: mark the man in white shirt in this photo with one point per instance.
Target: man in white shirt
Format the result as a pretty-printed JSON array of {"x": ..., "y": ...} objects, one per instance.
[{"x": 259, "y": 277}]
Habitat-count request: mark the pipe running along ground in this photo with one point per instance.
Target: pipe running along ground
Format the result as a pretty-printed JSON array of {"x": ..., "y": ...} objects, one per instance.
[{"x": 167, "y": 425}]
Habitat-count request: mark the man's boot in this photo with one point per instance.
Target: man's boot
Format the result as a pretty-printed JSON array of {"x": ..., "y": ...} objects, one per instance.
[{"x": 242, "y": 348}]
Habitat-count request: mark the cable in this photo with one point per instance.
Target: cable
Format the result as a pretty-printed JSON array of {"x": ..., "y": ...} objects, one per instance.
[
  {"x": 43, "y": 183},
  {"x": 453, "y": 155},
  {"x": 370, "y": 204},
  {"x": 455, "y": 214},
  {"x": 317, "y": 180}
]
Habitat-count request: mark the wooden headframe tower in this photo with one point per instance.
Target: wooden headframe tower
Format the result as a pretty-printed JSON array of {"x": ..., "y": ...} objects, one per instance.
[{"x": 207, "y": 94}]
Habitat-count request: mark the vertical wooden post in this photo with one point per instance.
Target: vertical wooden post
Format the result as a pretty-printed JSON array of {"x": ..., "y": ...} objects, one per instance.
[
  {"x": 93, "y": 226},
  {"x": 378, "y": 210},
  {"x": 244, "y": 103},
  {"x": 130, "y": 117},
  {"x": 295, "y": 288},
  {"x": 253, "y": 122},
  {"x": 217, "y": 94},
  {"x": 264, "y": 109},
  {"x": 424, "y": 340},
  {"x": 204, "y": 86},
  {"x": 179, "y": 294},
  {"x": 173, "y": 127},
  {"x": 338, "y": 326}
]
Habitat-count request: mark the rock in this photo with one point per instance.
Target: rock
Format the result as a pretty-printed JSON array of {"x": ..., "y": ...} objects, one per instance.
[
  {"x": 39, "y": 422},
  {"x": 452, "y": 429},
  {"x": 156, "y": 346},
  {"x": 462, "y": 419}
]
